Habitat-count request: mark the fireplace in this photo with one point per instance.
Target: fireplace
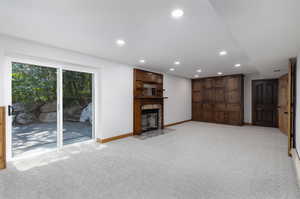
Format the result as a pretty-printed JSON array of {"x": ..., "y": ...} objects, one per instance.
[
  {"x": 150, "y": 119},
  {"x": 148, "y": 101}
]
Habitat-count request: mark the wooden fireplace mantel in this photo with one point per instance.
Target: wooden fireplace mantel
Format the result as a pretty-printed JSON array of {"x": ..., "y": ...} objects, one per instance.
[{"x": 143, "y": 95}]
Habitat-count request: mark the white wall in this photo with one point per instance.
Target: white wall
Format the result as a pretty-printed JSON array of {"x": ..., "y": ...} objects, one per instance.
[
  {"x": 178, "y": 105},
  {"x": 298, "y": 106},
  {"x": 117, "y": 101},
  {"x": 114, "y": 86}
]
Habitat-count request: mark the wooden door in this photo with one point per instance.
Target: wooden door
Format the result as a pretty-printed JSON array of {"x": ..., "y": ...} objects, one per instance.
[
  {"x": 283, "y": 117},
  {"x": 264, "y": 102},
  {"x": 2, "y": 138}
]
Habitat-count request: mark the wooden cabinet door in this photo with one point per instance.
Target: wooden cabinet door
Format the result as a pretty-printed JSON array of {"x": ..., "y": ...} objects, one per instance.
[
  {"x": 197, "y": 85},
  {"x": 197, "y": 112},
  {"x": 283, "y": 89},
  {"x": 221, "y": 117},
  {"x": 209, "y": 83},
  {"x": 2, "y": 138},
  {"x": 197, "y": 96},
  {"x": 219, "y": 95},
  {"x": 209, "y": 95},
  {"x": 233, "y": 83},
  {"x": 234, "y": 118},
  {"x": 233, "y": 97},
  {"x": 208, "y": 112},
  {"x": 220, "y": 82}
]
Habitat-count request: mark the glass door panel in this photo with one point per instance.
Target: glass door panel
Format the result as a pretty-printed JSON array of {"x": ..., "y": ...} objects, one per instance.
[
  {"x": 34, "y": 108},
  {"x": 77, "y": 106}
]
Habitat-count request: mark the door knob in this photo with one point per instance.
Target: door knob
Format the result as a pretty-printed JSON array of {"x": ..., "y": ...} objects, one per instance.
[{"x": 10, "y": 110}]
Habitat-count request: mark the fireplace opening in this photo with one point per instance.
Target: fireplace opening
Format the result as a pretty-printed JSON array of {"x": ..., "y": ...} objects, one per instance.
[{"x": 150, "y": 119}]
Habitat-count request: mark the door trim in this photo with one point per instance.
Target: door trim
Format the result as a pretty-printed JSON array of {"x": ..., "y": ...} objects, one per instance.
[
  {"x": 292, "y": 105},
  {"x": 60, "y": 67}
]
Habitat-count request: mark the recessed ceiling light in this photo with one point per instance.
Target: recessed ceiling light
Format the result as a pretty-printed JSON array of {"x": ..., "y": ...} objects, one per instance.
[
  {"x": 196, "y": 76},
  {"x": 142, "y": 61},
  {"x": 177, "y": 13},
  {"x": 220, "y": 73},
  {"x": 177, "y": 63},
  {"x": 199, "y": 71},
  {"x": 120, "y": 42},
  {"x": 223, "y": 52},
  {"x": 172, "y": 69},
  {"x": 237, "y": 65}
]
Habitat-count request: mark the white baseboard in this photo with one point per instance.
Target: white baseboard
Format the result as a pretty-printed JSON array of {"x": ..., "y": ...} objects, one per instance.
[{"x": 296, "y": 164}]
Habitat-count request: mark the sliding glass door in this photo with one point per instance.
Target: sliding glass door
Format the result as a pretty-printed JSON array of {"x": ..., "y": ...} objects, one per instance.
[
  {"x": 51, "y": 107},
  {"x": 77, "y": 106},
  {"x": 34, "y": 108}
]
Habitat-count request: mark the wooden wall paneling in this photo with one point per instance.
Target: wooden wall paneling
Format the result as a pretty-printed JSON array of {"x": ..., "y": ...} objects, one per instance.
[
  {"x": 209, "y": 83},
  {"x": 219, "y": 95},
  {"x": 221, "y": 117},
  {"x": 208, "y": 112},
  {"x": 197, "y": 85},
  {"x": 197, "y": 114},
  {"x": 2, "y": 138},
  {"x": 219, "y": 82},
  {"x": 221, "y": 99}
]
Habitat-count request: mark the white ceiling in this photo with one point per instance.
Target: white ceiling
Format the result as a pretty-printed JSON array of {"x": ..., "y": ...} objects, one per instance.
[{"x": 259, "y": 34}]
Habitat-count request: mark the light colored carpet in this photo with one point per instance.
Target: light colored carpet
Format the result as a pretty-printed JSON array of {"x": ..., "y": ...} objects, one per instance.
[{"x": 196, "y": 161}]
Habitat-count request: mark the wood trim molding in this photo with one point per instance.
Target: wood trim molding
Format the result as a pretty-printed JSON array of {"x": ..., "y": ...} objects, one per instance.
[
  {"x": 296, "y": 164},
  {"x": 114, "y": 138},
  {"x": 176, "y": 123},
  {"x": 2, "y": 138}
]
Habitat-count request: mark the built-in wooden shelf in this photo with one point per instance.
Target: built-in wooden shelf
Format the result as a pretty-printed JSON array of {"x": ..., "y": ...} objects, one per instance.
[{"x": 148, "y": 90}]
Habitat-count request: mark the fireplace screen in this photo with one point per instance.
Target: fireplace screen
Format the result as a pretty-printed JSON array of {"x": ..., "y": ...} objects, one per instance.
[{"x": 150, "y": 119}]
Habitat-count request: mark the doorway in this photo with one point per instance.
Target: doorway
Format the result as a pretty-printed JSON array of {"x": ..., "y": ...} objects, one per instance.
[
  {"x": 264, "y": 102},
  {"x": 50, "y": 107}
]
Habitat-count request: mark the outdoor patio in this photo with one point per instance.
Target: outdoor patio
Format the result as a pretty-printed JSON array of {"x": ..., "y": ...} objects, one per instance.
[{"x": 40, "y": 136}]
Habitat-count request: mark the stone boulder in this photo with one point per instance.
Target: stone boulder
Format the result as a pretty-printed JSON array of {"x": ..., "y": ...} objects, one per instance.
[
  {"x": 48, "y": 117},
  {"x": 18, "y": 107},
  {"x": 23, "y": 108},
  {"x": 72, "y": 113},
  {"x": 49, "y": 107},
  {"x": 87, "y": 114},
  {"x": 25, "y": 118},
  {"x": 32, "y": 107}
]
